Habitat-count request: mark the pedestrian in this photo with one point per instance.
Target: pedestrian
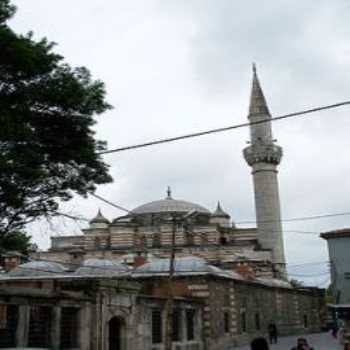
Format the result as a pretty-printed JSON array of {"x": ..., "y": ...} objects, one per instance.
[
  {"x": 259, "y": 344},
  {"x": 273, "y": 333},
  {"x": 341, "y": 335},
  {"x": 302, "y": 344},
  {"x": 334, "y": 330}
]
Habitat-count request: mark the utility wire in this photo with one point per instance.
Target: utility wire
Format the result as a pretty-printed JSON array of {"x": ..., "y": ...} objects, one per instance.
[
  {"x": 303, "y": 218},
  {"x": 111, "y": 203},
  {"x": 227, "y": 128}
]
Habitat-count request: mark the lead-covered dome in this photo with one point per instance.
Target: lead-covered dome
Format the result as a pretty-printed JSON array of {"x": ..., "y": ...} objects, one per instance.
[
  {"x": 38, "y": 268},
  {"x": 101, "y": 267},
  {"x": 169, "y": 205}
]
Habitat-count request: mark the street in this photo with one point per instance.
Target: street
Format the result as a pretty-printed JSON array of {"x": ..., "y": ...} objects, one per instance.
[{"x": 319, "y": 341}]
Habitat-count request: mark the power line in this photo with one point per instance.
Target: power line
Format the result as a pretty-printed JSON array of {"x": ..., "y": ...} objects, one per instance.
[
  {"x": 309, "y": 275},
  {"x": 111, "y": 203},
  {"x": 303, "y": 218},
  {"x": 302, "y": 232},
  {"x": 227, "y": 128},
  {"x": 309, "y": 263}
]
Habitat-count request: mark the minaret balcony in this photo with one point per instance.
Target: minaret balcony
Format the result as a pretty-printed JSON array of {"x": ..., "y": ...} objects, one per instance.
[{"x": 263, "y": 153}]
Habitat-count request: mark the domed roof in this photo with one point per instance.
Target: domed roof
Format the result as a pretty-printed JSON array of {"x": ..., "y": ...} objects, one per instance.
[
  {"x": 169, "y": 205},
  {"x": 183, "y": 264},
  {"x": 98, "y": 267},
  {"x": 187, "y": 265},
  {"x": 37, "y": 268}
]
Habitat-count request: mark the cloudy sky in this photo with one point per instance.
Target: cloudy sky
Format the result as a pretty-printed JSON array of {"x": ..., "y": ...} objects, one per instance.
[{"x": 174, "y": 67}]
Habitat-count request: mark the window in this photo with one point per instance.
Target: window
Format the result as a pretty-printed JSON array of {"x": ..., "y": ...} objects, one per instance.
[
  {"x": 39, "y": 327},
  {"x": 190, "y": 324},
  {"x": 8, "y": 325},
  {"x": 223, "y": 240},
  {"x": 257, "y": 321},
  {"x": 226, "y": 322},
  {"x": 227, "y": 297},
  {"x": 204, "y": 239},
  {"x": 156, "y": 240},
  {"x": 69, "y": 327},
  {"x": 189, "y": 239},
  {"x": 306, "y": 322},
  {"x": 243, "y": 321},
  {"x": 157, "y": 334},
  {"x": 176, "y": 325}
]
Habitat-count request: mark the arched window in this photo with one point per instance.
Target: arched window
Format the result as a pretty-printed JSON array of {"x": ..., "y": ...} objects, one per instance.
[{"x": 156, "y": 240}]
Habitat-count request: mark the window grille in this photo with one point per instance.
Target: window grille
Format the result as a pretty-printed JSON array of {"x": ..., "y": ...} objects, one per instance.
[
  {"x": 157, "y": 334},
  {"x": 190, "y": 324}
]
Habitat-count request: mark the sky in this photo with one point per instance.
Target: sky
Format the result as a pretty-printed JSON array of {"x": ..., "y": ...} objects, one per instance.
[{"x": 176, "y": 67}]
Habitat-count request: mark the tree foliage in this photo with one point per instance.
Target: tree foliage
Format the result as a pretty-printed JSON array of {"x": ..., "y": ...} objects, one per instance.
[
  {"x": 47, "y": 147},
  {"x": 16, "y": 241},
  {"x": 296, "y": 283}
]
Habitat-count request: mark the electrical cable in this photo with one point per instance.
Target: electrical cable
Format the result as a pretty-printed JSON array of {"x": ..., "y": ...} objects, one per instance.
[{"x": 227, "y": 128}]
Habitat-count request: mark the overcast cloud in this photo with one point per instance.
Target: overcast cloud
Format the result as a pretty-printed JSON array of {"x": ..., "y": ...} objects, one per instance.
[{"x": 174, "y": 67}]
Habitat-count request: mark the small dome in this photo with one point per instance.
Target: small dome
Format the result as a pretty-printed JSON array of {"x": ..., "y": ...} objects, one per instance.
[
  {"x": 169, "y": 205},
  {"x": 220, "y": 213},
  {"x": 189, "y": 265},
  {"x": 99, "y": 219},
  {"x": 184, "y": 264},
  {"x": 101, "y": 267},
  {"x": 37, "y": 268}
]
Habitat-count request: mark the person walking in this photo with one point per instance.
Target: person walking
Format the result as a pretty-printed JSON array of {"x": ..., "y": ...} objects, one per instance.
[
  {"x": 259, "y": 344},
  {"x": 302, "y": 344},
  {"x": 273, "y": 333}
]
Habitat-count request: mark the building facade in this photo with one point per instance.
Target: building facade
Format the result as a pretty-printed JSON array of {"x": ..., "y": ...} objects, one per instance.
[
  {"x": 106, "y": 305},
  {"x": 339, "y": 246},
  {"x": 110, "y": 286}
]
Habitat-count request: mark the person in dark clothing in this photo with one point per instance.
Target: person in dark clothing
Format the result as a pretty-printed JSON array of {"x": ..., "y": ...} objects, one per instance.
[
  {"x": 259, "y": 344},
  {"x": 273, "y": 334},
  {"x": 302, "y": 344},
  {"x": 335, "y": 330}
]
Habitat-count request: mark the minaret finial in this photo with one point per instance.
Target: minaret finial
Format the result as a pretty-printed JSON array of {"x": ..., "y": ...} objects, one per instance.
[
  {"x": 254, "y": 68},
  {"x": 168, "y": 193}
]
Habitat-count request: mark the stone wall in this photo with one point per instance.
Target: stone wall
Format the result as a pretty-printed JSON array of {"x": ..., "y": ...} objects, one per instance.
[{"x": 236, "y": 311}]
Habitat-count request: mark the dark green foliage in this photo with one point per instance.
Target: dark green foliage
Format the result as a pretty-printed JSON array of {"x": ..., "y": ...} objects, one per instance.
[
  {"x": 15, "y": 241},
  {"x": 47, "y": 146},
  {"x": 296, "y": 283},
  {"x": 6, "y": 10}
]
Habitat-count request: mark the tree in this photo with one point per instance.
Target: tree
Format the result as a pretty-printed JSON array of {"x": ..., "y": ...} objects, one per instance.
[
  {"x": 47, "y": 147},
  {"x": 18, "y": 241},
  {"x": 296, "y": 283}
]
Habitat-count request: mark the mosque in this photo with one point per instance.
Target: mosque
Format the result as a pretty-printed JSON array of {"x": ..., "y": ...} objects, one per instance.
[
  {"x": 146, "y": 232},
  {"x": 108, "y": 288}
]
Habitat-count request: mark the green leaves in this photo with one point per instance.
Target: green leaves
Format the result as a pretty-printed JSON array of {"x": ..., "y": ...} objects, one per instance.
[
  {"x": 6, "y": 10},
  {"x": 47, "y": 145}
]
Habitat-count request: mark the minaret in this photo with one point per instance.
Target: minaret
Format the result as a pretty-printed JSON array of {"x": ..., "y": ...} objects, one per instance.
[{"x": 263, "y": 155}]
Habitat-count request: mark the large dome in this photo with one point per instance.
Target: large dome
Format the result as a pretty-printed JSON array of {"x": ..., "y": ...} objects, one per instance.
[{"x": 169, "y": 205}]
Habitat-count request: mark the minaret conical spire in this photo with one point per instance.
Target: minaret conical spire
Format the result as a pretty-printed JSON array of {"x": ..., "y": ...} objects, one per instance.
[{"x": 258, "y": 103}]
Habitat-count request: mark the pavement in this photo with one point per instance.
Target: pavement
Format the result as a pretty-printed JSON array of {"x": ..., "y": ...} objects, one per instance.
[{"x": 319, "y": 341}]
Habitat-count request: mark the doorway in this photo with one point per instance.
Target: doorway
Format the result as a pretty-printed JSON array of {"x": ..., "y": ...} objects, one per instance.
[{"x": 115, "y": 334}]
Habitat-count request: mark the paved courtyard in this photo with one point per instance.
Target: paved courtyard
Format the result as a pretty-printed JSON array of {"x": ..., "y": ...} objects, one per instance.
[{"x": 319, "y": 341}]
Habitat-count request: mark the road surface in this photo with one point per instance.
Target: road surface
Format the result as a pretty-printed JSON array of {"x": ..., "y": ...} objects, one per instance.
[{"x": 319, "y": 341}]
